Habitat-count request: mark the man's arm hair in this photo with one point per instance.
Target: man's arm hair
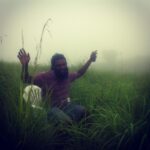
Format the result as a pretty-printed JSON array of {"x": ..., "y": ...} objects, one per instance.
[
  {"x": 25, "y": 77},
  {"x": 24, "y": 60},
  {"x": 84, "y": 68}
]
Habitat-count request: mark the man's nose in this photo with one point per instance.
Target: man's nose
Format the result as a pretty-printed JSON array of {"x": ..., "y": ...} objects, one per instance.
[{"x": 62, "y": 66}]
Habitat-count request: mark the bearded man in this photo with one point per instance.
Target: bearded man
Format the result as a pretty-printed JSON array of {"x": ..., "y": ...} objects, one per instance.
[{"x": 55, "y": 84}]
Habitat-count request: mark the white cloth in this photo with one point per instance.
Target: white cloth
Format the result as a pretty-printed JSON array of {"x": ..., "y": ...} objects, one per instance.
[{"x": 32, "y": 93}]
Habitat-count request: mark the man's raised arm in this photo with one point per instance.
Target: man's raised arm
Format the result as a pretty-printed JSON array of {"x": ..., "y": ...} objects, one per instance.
[
  {"x": 84, "y": 68},
  {"x": 24, "y": 60}
]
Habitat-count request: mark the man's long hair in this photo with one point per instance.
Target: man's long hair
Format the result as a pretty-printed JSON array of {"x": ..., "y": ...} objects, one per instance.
[
  {"x": 56, "y": 57},
  {"x": 60, "y": 74}
]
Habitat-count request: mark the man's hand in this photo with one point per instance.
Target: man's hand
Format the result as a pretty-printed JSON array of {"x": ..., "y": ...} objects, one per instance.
[
  {"x": 93, "y": 56},
  {"x": 23, "y": 57}
]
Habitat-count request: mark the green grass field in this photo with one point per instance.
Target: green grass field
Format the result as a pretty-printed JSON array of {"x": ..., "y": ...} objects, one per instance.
[{"x": 119, "y": 104}]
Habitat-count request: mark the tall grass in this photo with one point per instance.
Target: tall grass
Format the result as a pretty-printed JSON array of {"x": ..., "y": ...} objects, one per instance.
[{"x": 118, "y": 104}]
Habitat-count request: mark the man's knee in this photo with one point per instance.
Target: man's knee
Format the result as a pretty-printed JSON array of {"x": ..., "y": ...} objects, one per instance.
[
  {"x": 80, "y": 109},
  {"x": 56, "y": 115},
  {"x": 76, "y": 112}
]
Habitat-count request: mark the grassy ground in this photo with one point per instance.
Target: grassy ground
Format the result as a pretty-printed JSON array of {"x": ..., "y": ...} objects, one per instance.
[{"x": 119, "y": 104}]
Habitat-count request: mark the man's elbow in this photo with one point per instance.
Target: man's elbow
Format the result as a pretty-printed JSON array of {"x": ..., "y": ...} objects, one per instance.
[
  {"x": 26, "y": 80},
  {"x": 23, "y": 80},
  {"x": 79, "y": 74}
]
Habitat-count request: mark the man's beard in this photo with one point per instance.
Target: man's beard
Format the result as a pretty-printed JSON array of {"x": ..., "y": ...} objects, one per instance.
[{"x": 61, "y": 74}]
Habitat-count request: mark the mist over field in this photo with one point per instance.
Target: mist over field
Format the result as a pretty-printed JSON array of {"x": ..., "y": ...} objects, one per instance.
[
  {"x": 114, "y": 91},
  {"x": 119, "y": 30}
]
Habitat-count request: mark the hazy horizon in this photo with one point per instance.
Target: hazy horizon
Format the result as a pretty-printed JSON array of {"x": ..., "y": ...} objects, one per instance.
[{"x": 119, "y": 30}]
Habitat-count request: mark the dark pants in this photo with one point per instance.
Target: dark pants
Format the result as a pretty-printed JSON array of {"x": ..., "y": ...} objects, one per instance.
[{"x": 69, "y": 113}]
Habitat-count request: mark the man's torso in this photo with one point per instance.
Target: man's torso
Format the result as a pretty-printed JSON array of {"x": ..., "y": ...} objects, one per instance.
[{"x": 54, "y": 90}]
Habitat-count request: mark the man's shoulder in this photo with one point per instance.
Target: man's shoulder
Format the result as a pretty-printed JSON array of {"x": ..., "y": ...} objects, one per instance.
[
  {"x": 73, "y": 76},
  {"x": 42, "y": 78},
  {"x": 72, "y": 73},
  {"x": 44, "y": 74}
]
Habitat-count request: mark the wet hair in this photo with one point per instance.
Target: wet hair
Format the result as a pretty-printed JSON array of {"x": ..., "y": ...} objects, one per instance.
[{"x": 56, "y": 57}]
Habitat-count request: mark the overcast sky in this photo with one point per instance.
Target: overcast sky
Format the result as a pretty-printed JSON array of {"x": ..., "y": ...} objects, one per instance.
[{"x": 118, "y": 29}]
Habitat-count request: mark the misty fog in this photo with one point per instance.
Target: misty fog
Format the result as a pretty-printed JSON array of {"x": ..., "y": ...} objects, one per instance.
[{"x": 119, "y": 30}]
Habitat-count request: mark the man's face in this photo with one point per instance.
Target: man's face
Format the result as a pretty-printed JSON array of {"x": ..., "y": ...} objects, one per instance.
[{"x": 61, "y": 69}]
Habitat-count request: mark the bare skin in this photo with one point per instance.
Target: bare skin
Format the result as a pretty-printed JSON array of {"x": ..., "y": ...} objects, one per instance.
[
  {"x": 84, "y": 68},
  {"x": 25, "y": 59}
]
